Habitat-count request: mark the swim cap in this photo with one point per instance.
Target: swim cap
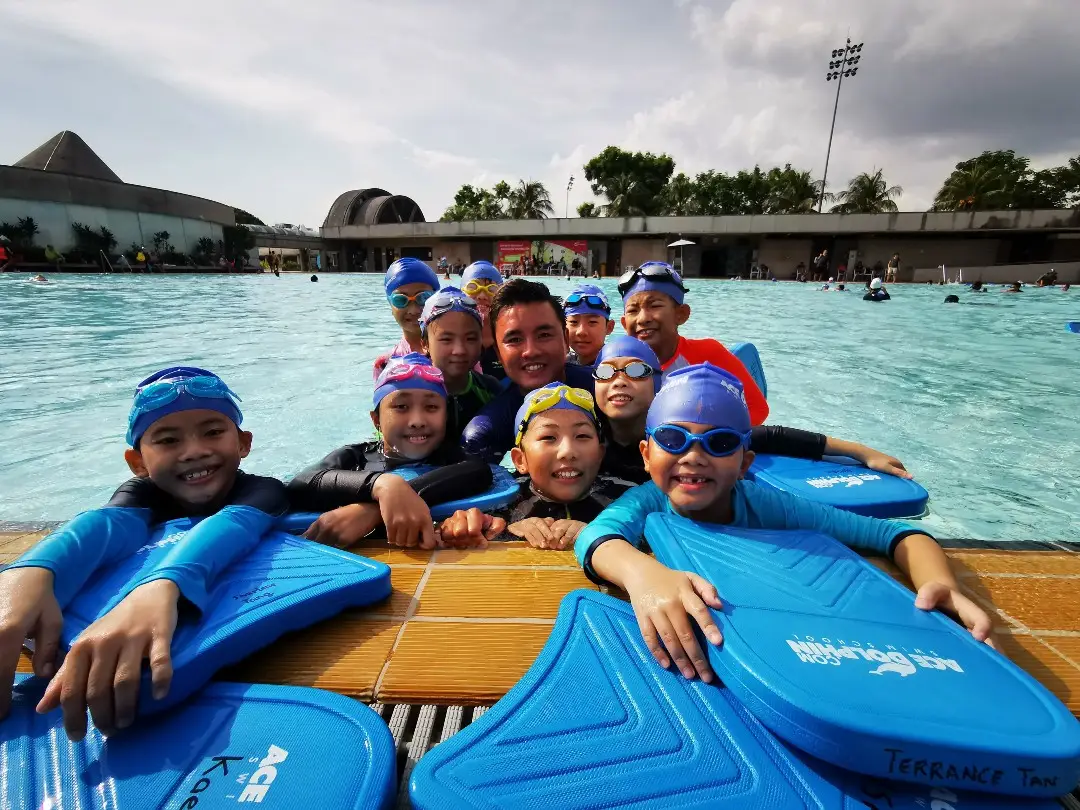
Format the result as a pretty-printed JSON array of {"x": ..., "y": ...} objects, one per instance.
[
  {"x": 952, "y": 299},
  {"x": 831, "y": 279},
  {"x": 175, "y": 389},
  {"x": 551, "y": 398},
  {"x": 483, "y": 270},
  {"x": 583, "y": 307},
  {"x": 626, "y": 346},
  {"x": 409, "y": 271},
  {"x": 669, "y": 283},
  {"x": 875, "y": 284},
  {"x": 411, "y": 372},
  {"x": 703, "y": 394},
  {"x": 448, "y": 299}
]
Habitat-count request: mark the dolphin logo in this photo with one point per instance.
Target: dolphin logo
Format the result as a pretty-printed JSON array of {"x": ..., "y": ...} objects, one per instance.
[
  {"x": 854, "y": 482},
  {"x": 903, "y": 669}
]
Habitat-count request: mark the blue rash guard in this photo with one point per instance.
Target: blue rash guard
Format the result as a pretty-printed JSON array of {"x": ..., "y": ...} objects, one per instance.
[
  {"x": 490, "y": 434},
  {"x": 99, "y": 537},
  {"x": 755, "y": 507}
]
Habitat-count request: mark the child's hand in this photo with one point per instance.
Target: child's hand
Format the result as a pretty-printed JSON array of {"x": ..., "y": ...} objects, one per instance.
[
  {"x": 939, "y": 596},
  {"x": 565, "y": 532},
  {"x": 536, "y": 531},
  {"x": 404, "y": 513},
  {"x": 344, "y": 526},
  {"x": 876, "y": 460},
  {"x": 469, "y": 528},
  {"x": 28, "y": 609},
  {"x": 661, "y": 599},
  {"x": 103, "y": 668}
]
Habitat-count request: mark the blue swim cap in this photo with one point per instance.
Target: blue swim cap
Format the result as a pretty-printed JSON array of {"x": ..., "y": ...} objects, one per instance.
[
  {"x": 448, "y": 299},
  {"x": 662, "y": 283},
  {"x": 550, "y": 398},
  {"x": 409, "y": 271},
  {"x": 583, "y": 307},
  {"x": 703, "y": 394},
  {"x": 481, "y": 270},
  {"x": 409, "y": 373},
  {"x": 175, "y": 389},
  {"x": 626, "y": 346}
]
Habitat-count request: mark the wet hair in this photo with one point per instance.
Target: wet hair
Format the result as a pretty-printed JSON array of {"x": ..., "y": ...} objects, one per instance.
[
  {"x": 522, "y": 291},
  {"x": 977, "y": 285},
  {"x": 952, "y": 299}
]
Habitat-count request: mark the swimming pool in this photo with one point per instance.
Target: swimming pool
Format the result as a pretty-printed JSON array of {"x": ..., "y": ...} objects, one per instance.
[{"x": 980, "y": 399}]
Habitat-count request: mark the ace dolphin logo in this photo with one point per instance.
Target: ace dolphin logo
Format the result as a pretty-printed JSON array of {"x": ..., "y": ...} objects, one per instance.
[
  {"x": 902, "y": 668},
  {"x": 883, "y": 662}
]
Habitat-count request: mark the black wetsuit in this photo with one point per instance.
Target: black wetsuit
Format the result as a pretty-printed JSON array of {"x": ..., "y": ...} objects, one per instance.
[
  {"x": 529, "y": 503},
  {"x": 490, "y": 363},
  {"x": 461, "y": 408},
  {"x": 348, "y": 474},
  {"x": 261, "y": 492},
  {"x": 876, "y": 295}
]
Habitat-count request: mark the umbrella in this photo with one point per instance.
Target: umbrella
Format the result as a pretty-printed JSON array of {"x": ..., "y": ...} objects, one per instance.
[{"x": 680, "y": 244}]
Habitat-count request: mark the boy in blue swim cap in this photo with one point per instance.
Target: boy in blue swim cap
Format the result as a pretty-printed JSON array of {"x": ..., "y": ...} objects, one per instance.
[
  {"x": 354, "y": 486},
  {"x": 186, "y": 445},
  {"x": 408, "y": 284},
  {"x": 588, "y": 323},
  {"x": 696, "y": 453}
]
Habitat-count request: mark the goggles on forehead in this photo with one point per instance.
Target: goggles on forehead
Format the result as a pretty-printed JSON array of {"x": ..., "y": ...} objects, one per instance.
[
  {"x": 653, "y": 272},
  {"x": 395, "y": 372},
  {"x": 443, "y": 302},
  {"x": 590, "y": 299},
  {"x": 545, "y": 399}
]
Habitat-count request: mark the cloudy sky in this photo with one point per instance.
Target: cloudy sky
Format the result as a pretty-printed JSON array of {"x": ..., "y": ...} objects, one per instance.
[{"x": 278, "y": 106}]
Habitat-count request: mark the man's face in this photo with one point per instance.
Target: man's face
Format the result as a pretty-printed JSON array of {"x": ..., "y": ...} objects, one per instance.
[
  {"x": 192, "y": 456},
  {"x": 412, "y": 423},
  {"x": 623, "y": 399},
  {"x": 530, "y": 342},
  {"x": 587, "y": 333},
  {"x": 561, "y": 454},
  {"x": 655, "y": 318},
  {"x": 408, "y": 318}
]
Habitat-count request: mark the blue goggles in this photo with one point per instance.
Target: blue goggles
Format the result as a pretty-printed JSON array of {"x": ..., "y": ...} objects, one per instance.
[
  {"x": 719, "y": 442},
  {"x": 400, "y": 300},
  {"x": 159, "y": 394},
  {"x": 589, "y": 299}
]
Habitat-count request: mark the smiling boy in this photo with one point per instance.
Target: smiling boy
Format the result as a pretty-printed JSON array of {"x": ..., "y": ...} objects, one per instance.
[{"x": 588, "y": 323}]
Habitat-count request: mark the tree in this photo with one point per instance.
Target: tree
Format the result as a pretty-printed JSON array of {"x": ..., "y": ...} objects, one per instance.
[
  {"x": 792, "y": 191},
  {"x": 867, "y": 194},
  {"x": 630, "y": 181},
  {"x": 530, "y": 200},
  {"x": 588, "y": 210},
  {"x": 21, "y": 234},
  {"x": 678, "y": 197}
]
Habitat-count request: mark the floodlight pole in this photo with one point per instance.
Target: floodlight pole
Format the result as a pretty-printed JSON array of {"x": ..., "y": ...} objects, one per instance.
[{"x": 838, "y": 69}]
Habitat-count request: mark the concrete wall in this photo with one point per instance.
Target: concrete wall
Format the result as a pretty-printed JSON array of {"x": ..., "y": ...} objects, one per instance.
[
  {"x": 1068, "y": 272},
  {"x": 782, "y": 255},
  {"x": 636, "y": 252},
  {"x": 922, "y": 253},
  {"x": 54, "y": 221}
]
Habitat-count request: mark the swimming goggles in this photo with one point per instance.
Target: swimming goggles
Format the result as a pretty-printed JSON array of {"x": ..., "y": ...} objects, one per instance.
[
  {"x": 400, "y": 300},
  {"x": 636, "y": 370},
  {"x": 474, "y": 287},
  {"x": 719, "y": 442},
  {"x": 545, "y": 399},
  {"x": 652, "y": 271},
  {"x": 590, "y": 299},
  {"x": 395, "y": 372},
  {"x": 443, "y": 302},
  {"x": 160, "y": 393}
]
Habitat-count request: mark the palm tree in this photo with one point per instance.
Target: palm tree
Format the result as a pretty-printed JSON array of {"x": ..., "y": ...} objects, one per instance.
[
  {"x": 530, "y": 200},
  {"x": 588, "y": 210},
  {"x": 793, "y": 191},
  {"x": 621, "y": 193},
  {"x": 867, "y": 194},
  {"x": 677, "y": 198},
  {"x": 979, "y": 186}
]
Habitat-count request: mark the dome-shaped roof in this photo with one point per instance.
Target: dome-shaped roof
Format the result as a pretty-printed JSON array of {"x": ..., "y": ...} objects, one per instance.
[{"x": 372, "y": 206}]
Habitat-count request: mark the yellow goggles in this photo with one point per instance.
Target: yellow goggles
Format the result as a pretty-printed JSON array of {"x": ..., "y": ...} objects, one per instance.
[
  {"x": 474, "y": 287},
  {"x": 544, "y": 399}
]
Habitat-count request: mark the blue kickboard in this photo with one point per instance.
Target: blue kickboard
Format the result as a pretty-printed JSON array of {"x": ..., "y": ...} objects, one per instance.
[
  {"x": 748, "y": 354},
  {"x": 850, "y": 487},
  {"x": 832, "y": 655},
  {"x": 596, "y": 722},
  {"x": 1073, "y": 326},
  {"x": 504, "y": 488},
  {"x": 273, "y": 746},
  {"x": 284, "y": 584}
]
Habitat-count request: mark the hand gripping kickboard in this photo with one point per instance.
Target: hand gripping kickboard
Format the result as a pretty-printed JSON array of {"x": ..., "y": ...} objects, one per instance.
[
  {"x": 832, "y": 655},
  {"x": 851, "y": 487},
  {"x": 284, "y": 584},
  {"x": 596, "y": 722},
  {"x": 503, "y": 490},
  {"x": 278, "y": 747}
]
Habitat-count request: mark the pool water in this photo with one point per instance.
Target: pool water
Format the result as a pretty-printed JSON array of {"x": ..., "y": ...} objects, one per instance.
[{"x": 979, "y": 399}]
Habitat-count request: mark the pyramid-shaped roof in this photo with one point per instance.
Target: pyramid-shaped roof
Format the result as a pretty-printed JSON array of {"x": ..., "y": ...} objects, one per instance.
[{"x": 67, "y": 153}]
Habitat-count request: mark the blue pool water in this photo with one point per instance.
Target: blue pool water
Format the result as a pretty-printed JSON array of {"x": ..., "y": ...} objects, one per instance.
[{"x": 979, "y": 399}]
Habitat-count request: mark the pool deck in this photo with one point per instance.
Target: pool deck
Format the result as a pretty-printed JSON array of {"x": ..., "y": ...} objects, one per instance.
[{"x": 461, "y": 627}]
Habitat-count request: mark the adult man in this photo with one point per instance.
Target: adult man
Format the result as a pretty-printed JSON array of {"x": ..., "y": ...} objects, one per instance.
[
  {"x": 893, "y": 268},
  {"x": 530, "y": 339},
  {"x": 821, "y": 266}
]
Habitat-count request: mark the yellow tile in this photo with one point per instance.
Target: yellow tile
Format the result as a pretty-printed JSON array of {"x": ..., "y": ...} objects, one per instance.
[
  {"x": 1045, "y": 665},
  {"x": 971, "y": 562},
  {"x": 505, "y": 554},
  {"x": 24, "y": 664},
  {"x": 391, "y": 555},
  {"x": 498, "y": 593},
  {"x": 404, "y": 582},
  {"x": 459, "y": 664},
  {"x": 1038, "y": 604},
  {"x": 17, "y": 544},
  {"x": 344, "y": 654}
]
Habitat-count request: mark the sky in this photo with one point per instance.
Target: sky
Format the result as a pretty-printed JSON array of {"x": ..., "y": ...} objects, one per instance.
[{"x": 277, "y": 107}]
